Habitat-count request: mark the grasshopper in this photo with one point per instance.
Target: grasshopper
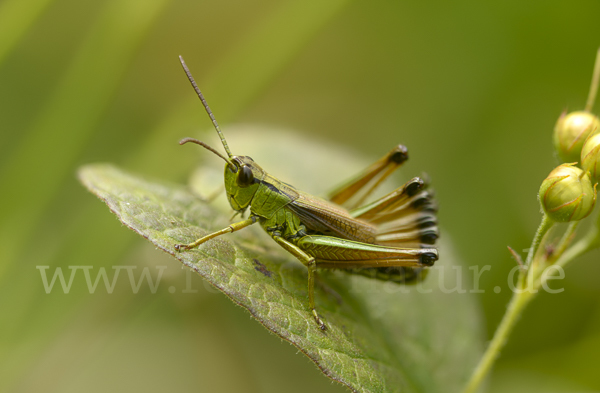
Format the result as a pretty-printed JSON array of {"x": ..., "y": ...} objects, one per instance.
[{"x": 389, "y": 239}]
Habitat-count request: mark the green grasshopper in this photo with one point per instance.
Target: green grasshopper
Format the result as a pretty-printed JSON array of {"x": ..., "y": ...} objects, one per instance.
[{"x": 388, "y": 239}]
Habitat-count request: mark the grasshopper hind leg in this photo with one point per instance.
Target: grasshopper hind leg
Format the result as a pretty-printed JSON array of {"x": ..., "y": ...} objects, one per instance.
[
  {"x": 397, "y": 274},
  {"x": 406, "y": 217},
  {"x": 354, "y": 192}
]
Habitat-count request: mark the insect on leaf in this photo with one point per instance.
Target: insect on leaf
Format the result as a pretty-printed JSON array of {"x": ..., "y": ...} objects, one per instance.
[{"x": 381, "y": 337}]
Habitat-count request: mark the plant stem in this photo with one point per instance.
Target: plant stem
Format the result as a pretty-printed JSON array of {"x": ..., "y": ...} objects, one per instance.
[
  {"x": 594, "y": 85},
  {"x": 530, "y": 280},
  {"x": 517, "y": 303},
  {"x": 545, "y": 225},
  {"x": 519, "y": 300},
  {"x": 588, "y": 243},
  {"x": 565, "y": 240}
]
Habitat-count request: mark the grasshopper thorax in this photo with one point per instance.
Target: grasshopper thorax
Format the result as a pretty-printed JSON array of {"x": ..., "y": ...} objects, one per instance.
[{"x": 242, "y": 178}]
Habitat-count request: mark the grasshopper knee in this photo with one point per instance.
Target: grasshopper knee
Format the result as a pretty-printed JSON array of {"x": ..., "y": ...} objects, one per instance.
[
  {"x": 399, "y": 154},
  {"x": 414, "y": 186},
  {"x": 428, "y": 258}
]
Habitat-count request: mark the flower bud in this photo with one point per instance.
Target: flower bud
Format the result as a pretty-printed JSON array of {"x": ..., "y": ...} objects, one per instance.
[
  {"x": 571, "y": 131},
  {"x": 567, "y": 194},
  {"x": 590, "y": 157}
]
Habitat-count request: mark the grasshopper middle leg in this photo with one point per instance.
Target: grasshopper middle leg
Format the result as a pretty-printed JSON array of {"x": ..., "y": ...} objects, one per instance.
[{"x": 311, "y": 264}]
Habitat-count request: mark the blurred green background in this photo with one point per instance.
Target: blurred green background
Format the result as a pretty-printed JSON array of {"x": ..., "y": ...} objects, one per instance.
[{"x": 472, "y": 88}]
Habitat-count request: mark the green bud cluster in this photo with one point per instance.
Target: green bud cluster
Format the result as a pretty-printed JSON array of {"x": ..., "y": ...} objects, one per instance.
[{"x": 569, "y": 192}]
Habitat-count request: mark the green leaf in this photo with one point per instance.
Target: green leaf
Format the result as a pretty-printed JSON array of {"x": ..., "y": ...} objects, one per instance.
[{"x": 382, "y": 337}]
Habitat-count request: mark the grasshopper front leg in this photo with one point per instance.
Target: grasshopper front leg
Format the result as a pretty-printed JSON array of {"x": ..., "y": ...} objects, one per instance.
[
  {"x": 231, "y": 228},
  {"x": 311, "y": 264}
]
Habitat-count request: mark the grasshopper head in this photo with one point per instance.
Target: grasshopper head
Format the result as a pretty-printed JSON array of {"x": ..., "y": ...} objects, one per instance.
[{"x": 242, "y": 178}]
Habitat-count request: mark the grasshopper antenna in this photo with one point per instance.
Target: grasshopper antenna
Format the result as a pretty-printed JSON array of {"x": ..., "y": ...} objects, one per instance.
[
  {"x": 196, "y": 141},
  {"x": 210, "y": 114}
]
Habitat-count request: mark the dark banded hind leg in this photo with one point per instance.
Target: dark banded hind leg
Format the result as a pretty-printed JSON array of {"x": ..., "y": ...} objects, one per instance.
[
  {"x": 369, "y": 179},
  {"x": 397, "y": 274},
  {"x": 404, "y": 217}
]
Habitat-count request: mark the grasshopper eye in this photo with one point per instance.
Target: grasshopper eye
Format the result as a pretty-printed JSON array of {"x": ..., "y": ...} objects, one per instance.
[{"x": 245, "y": 176}]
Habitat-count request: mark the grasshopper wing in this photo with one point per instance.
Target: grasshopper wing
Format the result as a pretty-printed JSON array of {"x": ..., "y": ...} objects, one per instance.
[{"x": 326, "y": 218}]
